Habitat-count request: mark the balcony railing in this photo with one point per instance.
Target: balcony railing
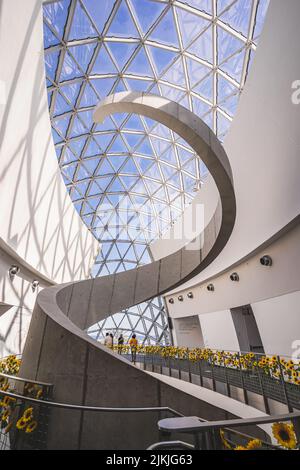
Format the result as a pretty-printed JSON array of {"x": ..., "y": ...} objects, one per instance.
[{"x": 271, "y": 377}]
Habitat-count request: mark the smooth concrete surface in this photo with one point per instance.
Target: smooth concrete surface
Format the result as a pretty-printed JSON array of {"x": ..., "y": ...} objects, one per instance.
[{"x": 263, "y": 142}]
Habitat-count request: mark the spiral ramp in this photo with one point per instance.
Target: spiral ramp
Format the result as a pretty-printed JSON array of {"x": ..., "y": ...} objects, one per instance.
[{"x": 58, "y": 349}]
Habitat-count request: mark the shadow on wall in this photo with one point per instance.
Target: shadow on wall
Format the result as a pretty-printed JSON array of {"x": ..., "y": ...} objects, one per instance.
[{"x": 48, "y": 232}]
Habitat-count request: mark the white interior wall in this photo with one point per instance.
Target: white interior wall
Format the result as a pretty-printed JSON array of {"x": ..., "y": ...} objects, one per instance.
[
  {"x": 37, "y": 217},
  {"x": 187, "y": 332},
  {"x": 278, "y": 320},
  {"x": 218, "y": 331}
]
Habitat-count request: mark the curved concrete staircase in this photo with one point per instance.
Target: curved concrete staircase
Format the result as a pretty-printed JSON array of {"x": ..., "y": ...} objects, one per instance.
[{"x": 83, "y": 372}]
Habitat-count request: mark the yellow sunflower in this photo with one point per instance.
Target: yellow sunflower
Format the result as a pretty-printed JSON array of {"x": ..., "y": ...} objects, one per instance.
[
  {"x": 27, "y": 415},
  {"x": 31, "y": 427},
  {"x": 254, "y": 444},
  {"x": 240, "y": 448},
  {"x": 285, "y": 435},
  {"x": 21, "y": 423}
]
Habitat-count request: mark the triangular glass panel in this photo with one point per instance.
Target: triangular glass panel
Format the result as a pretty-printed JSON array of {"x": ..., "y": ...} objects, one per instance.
[
  {"x": 117, "y": 161},
  {"x": 147, "y": 12},
  {"x": 205, "y": 88},
  {"x": 200, "y": 107},
  {"x": 71, "y": 91},
  {"x": 61, "y": 106},
  {"x": 128, "y": 181},
  {"x": 169, "y": 156},
  {"x": 51, "y": 61},
  {"x": 132, "y": 139},
  {"x": 202, "y": 47},
  {"x": 234, "y": 66},
  {"x": 103, "y": 63},
  {"x": 62, "y": 124},
  {"x": 83, "y": 54},
  {"x": 103, "y": 85},
  {"x": 81, "y": 27},
  {"x": 130, "y": 167},
  {"x": 238, "y": 16},
  {"x": 140, "y": 65},
  {"x": 176, "y": 74},
  {"x": 190, "y": 25},
  {"x": 49, "y": 38},
  {"x": 88, "y": 97},
  {"x": 56, "y": 13},
  {"x": 104, "y": 182},
  {"x": 165, "y": 31},
  {"x": 143, "y": 163},
  {"x": 196, "y": 71},
  {"x": 121, "y": 52},
  {"x": 134, "y": 122},
  {"x": 69, "y": 69},
  {"x": 227, "y": 45},
  {"x": 162, "y": 58},
  {"x": 92, "y": 149},
  {"x": 138, "y": 85},
  {"x": 117, "y": 145},
  {"x": 77, "y": 128},
  {"x": 99, "y": 11},
  {"x": 223, "y": 125},
  {"x": 105, "y": 168},
  {"x": 122, "y": 24},
  {"x": 91, "y": 165},
  {"x": 171, "y": 93},
  {"x": 160, "y": 145}
]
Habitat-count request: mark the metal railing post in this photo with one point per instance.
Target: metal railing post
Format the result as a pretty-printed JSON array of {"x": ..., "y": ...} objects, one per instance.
[
  {"x": 227, "y": 381},
  {"x": 242, "y": 380},
  {"x": 266, "y": 403},
  {"x": 200, "y": 373},
  {"x": 290, "y": 408},
  {"x": 213, "y": 376},
  {"x": 189, "y": 369}
]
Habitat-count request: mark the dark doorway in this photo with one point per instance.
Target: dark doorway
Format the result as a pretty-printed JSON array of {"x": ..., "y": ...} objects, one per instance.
[{"x": 246, "y": 329}]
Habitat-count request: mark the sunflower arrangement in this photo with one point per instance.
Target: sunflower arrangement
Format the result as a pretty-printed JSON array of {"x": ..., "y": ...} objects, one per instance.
[
  {"x": 270, "y": 365},
  {"x": 26, "y": 422},
  {"x": 285, "y": 435},
  {"x": 10, "y": 365},
  {"x": 254, "y": 444}
]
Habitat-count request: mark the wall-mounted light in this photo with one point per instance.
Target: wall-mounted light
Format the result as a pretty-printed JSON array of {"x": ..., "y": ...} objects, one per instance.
[
  {"x": 34, "y": 285},
  {"x": 190, "y": 295},
  {"x": 180, "y": 298},
  {"x": 171, "y": 300},
  {"x": 266, "y": 260},
  {"x": 13, "y": 271},
  {"x": 210, "y": 287},
  {"x": 234, "y": 277}
]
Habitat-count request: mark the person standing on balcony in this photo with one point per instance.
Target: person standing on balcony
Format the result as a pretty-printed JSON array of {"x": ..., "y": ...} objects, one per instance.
[
  {"x": 133, "y": 343},
  {"x": 108, "y": 340},
  {"x": 120, "y": 343}
]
